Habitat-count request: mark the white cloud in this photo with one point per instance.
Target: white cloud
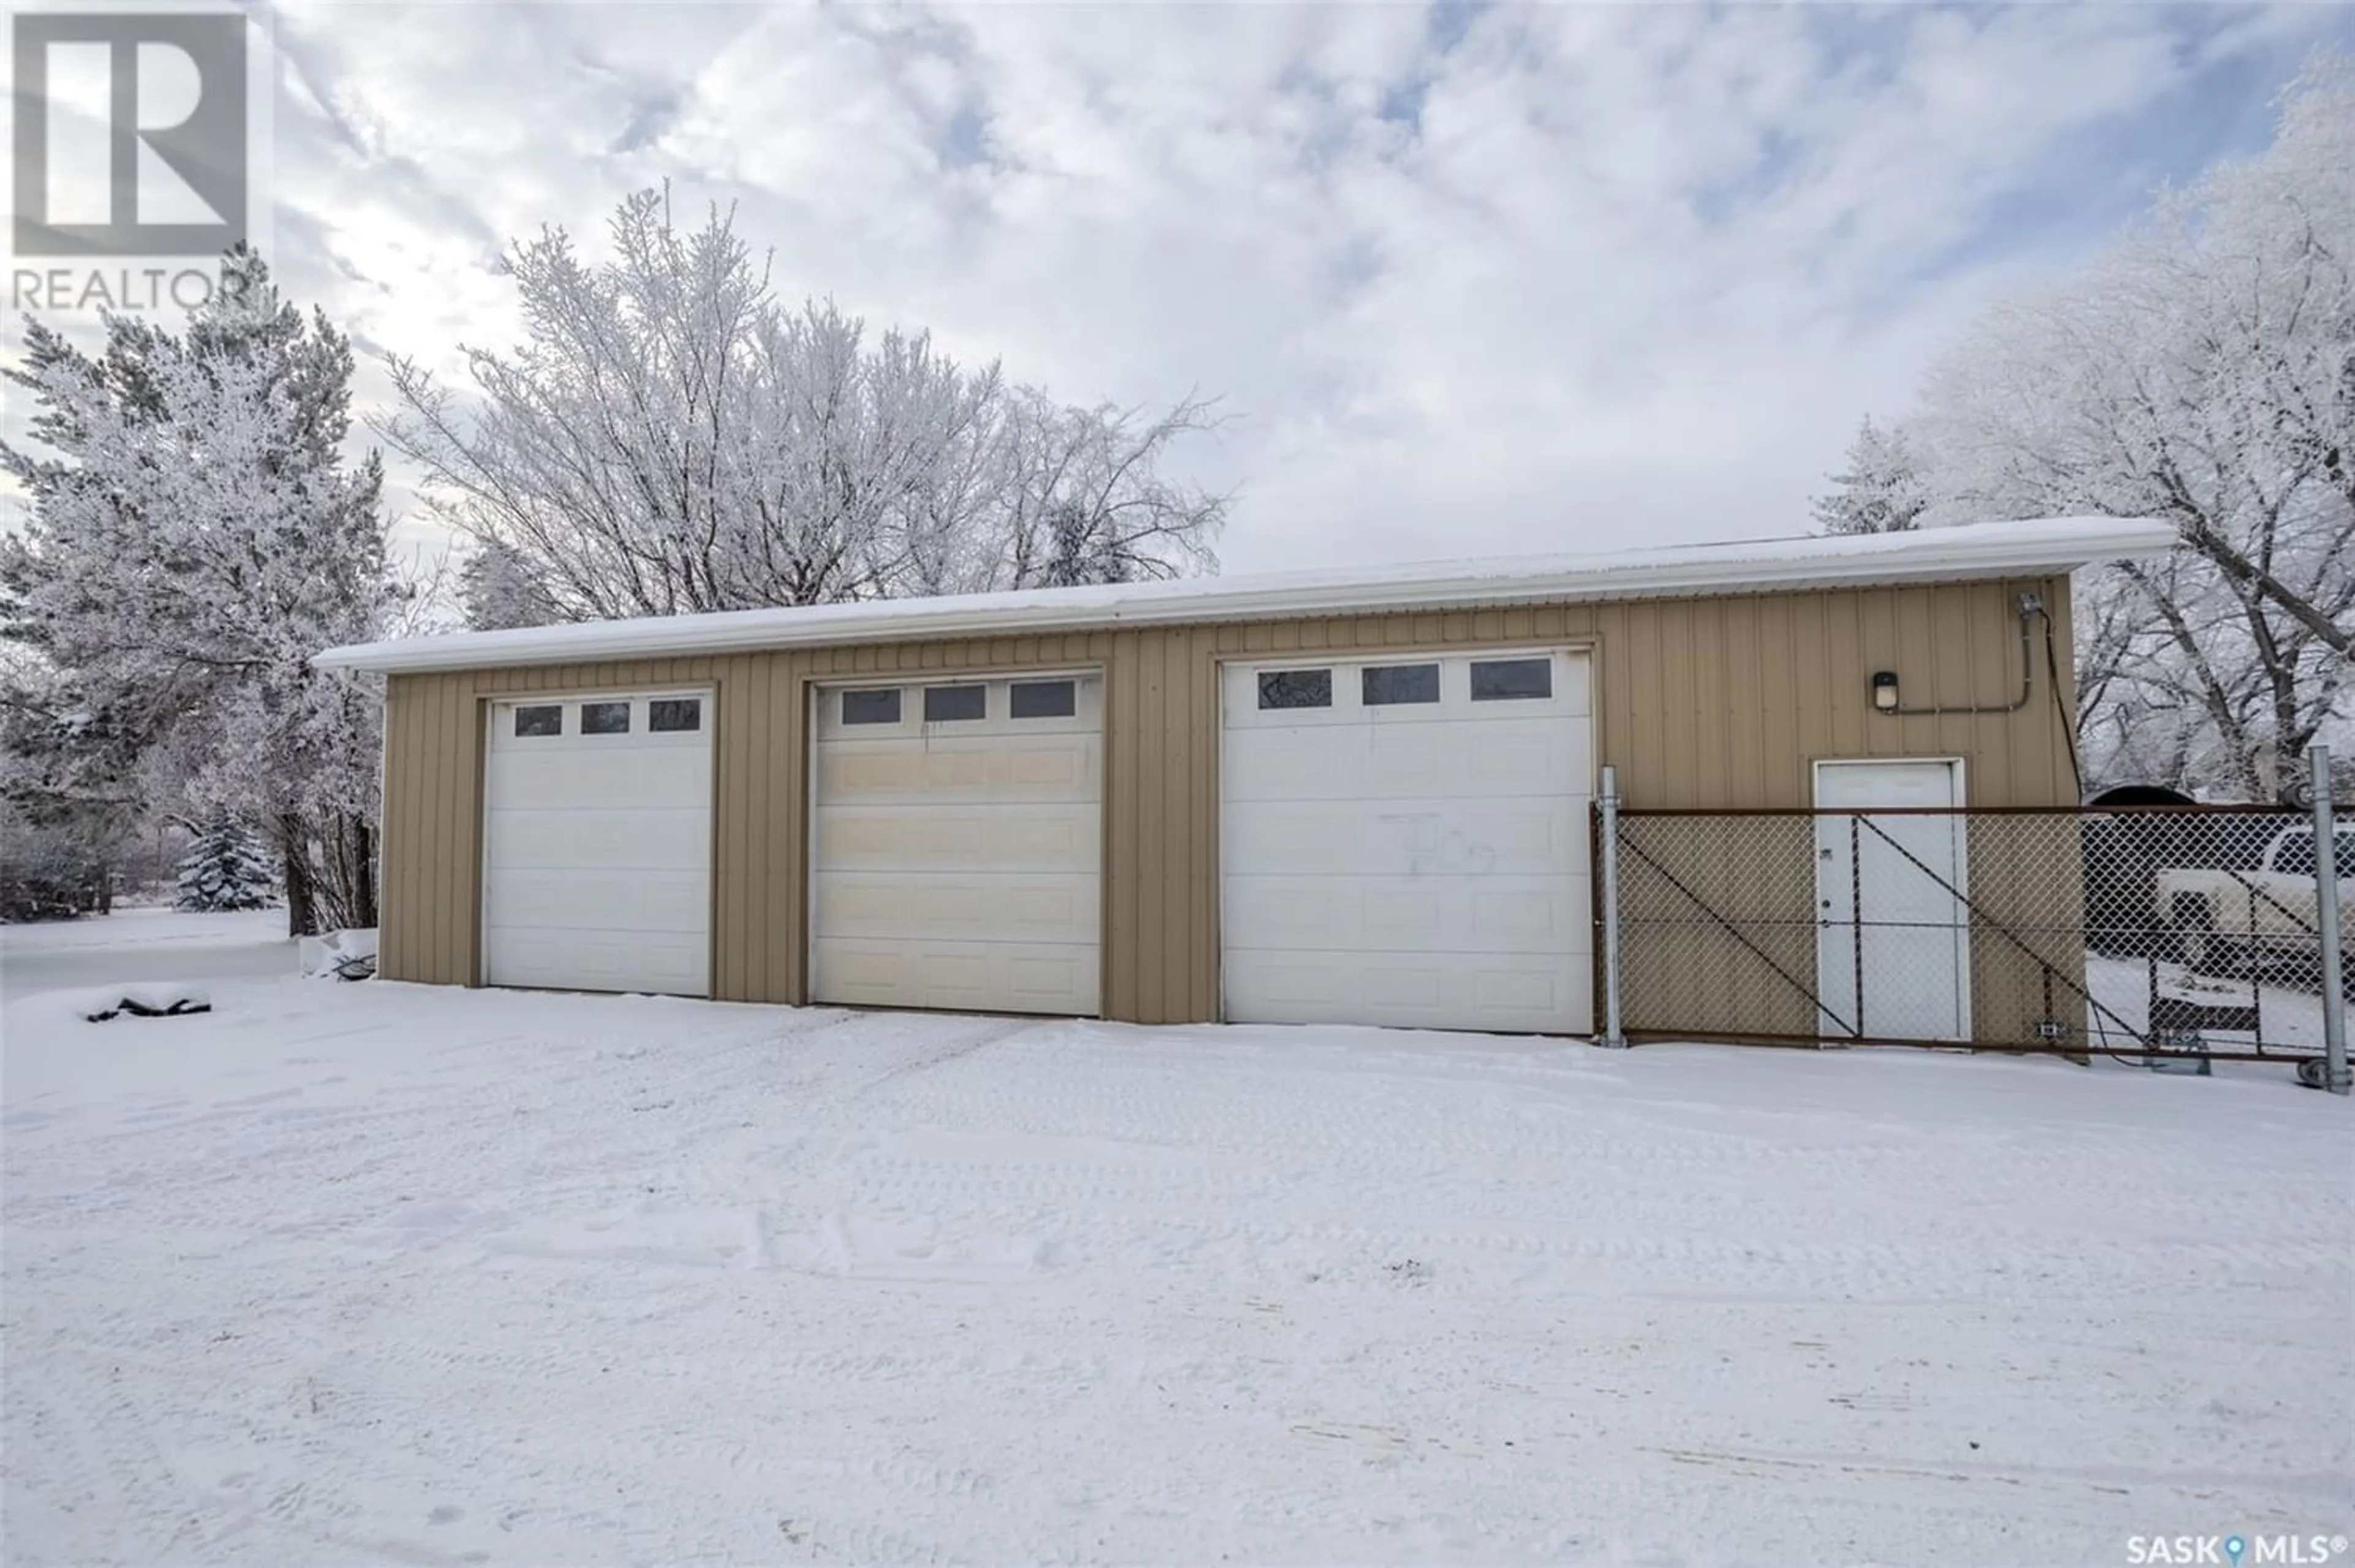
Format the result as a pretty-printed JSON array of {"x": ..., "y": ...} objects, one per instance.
[{"x": 1495, "y": 280}]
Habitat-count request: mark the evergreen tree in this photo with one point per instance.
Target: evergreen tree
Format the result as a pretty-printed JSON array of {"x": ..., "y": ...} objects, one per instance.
[
  {"x": 499, "y": 592},
  {"x": 1882, "y": 492},
  {"x": 224, "y": 868},
  {"x": 194, "y": 542}
]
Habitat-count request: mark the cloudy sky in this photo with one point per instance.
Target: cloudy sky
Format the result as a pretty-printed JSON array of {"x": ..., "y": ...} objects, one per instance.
[{"x": 1469, "y": 279}]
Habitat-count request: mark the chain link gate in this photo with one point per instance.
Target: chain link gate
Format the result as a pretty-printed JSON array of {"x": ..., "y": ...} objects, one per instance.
[{"x": 2169, "y": 934}]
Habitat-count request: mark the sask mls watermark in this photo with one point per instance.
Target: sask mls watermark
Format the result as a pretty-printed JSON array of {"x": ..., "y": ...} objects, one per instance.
[
  {"x": 2237, "y": 1551},
  {"x": 138, "y": 143}
]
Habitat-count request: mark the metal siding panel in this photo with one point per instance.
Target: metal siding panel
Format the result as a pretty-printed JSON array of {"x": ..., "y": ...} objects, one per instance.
[
  {"x": 1877, "y": 649},
  {"x": 397, "y": 829},
  {"x": 1124, "y": 841},
  {"x": 789, "y": 728},
  {"x": 1923, "y": 679},
  {"x": 775, "y": 865},
  {"x": 471, "y": 721},
  {"x": 434, "y": 776},
  {"x": 453, "y": 811},
  {"x": 1647, "y": 779},
  {"x": 1195, "y": 868},
  {"x": 1783, "y": 778},
  {"x": 1844, "y": 650},
  {"x": 474, "y": 784},
  {"x": 1207, "y": 1007},
  {"x": 416, "y": 852},
  {"x": 442, "y": 755},
  {"x": 407, "y": 750},
  {"x": 1963, "y": 678},
  {"x": 732, "y": 836},
  {"x": 1153, "y": 830},
  {"x": 1990, "y": 653},
  {"x": 758, "y": 677},
  {"x": 389, "y": 935},
  {"x": 1179, "y": 862},
  {"x": 1679, "y": 760},
  {"x": 1811, "y": 683},
  {"x": 1124, "y": 862},
  {"x": 1712, "y": 674},
  {"x": 1742, "y": 696}
]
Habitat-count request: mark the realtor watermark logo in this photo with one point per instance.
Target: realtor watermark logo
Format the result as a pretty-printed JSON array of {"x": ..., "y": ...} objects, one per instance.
[
  {"x": 136, "y": 137},
  {"x": 2237, "y": 1551}
]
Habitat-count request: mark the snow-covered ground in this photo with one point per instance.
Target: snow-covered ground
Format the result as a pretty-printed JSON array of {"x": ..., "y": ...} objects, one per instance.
[
  {"x": 2289, "y": 1018},
  {"x": 144, "y": 946},
  {"x": 349, "y": 1274}
]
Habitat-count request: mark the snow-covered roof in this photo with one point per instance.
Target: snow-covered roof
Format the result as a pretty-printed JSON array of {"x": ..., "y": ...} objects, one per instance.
[{"x": 1683, "y": 572}]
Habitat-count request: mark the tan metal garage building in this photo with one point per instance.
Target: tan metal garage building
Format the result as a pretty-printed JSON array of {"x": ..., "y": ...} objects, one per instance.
[{"x": 1344, "y": 798}]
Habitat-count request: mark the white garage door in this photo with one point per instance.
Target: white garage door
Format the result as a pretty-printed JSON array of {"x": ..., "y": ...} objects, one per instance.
[
  {"x": 597, "y": 844},
  {"x": 1405, "y": 842},
  {"x": 957, "y": 843}
]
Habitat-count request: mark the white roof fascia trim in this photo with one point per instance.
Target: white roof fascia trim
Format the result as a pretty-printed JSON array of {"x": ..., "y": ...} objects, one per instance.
[{"x": 1981, "y": 551}]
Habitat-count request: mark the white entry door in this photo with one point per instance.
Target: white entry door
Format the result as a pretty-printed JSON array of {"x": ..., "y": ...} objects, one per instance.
[
  {"x": 1404, "y": 841},
  {"x": 957, "y": 844},
  {"x": 597, "y": 843},
  {"x": 1892, "y": 950}
]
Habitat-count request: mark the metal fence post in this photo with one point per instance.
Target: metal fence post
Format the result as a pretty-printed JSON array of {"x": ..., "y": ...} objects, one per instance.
[
  {"x": 2326, "y": 898},
  {"x": 1612, "y": 1035}
]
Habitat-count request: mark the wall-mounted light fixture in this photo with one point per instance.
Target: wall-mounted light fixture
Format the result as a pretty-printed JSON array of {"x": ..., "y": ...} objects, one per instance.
[{"x": 1886, "y": 701}]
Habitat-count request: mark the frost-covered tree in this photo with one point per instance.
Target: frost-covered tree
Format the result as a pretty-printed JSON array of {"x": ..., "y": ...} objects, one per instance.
[
  {"x": 499, "y": 592},
  {"x": 194, "y": 539},
  {"x": 1881, "y": 490},
  {"x": 2201, "y": 371},
  {"x": 1085, "y": 501},
  {"x": 669, "y": 439},
  {"x": 72, "y": 772},
  {"x": 225, "y": 867},
  {"x": 48, "y": 868}
]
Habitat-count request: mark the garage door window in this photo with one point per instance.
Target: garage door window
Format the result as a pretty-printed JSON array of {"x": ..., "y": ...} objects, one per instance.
[
  {"x": 1504, "y": 680},
  {"x": 1386, "y": 685},
  {"x": 539, "y": 721},
  {"x": 1044, "y": 698},
  {"x": 673, "y": 715},
  {"x": 945, "y": 703},
  {"x": 1296, "y": 689},
  {"x": 871, "y": 706},
  {"x": 604, "y": 718}
]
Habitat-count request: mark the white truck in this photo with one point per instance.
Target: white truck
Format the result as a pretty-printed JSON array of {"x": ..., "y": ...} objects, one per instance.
[{"x": 2227, "y": 921}]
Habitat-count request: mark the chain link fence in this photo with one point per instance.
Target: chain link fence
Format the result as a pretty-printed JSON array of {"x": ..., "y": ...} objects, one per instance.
[{"x": 2149, "y": 932}]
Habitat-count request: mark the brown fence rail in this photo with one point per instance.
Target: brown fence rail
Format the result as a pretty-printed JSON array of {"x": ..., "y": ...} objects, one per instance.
[{"x": 2147, "y": 931}]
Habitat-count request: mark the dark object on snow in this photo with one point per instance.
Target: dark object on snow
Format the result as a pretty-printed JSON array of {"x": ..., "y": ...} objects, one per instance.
[
  {"x": 2123, "y": 852},
  {"x": 356, "y": 966},
  {"x": 138, "y": 1010}
]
